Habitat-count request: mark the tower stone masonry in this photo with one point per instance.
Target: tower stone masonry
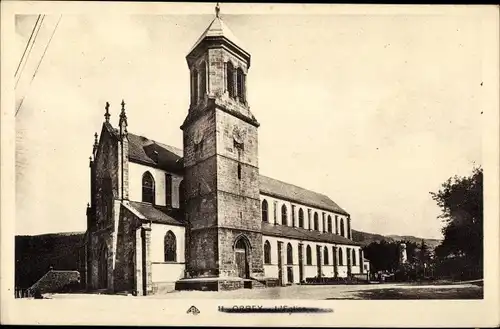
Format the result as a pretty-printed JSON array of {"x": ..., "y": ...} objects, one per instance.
[{"x": 221, "y": 162}]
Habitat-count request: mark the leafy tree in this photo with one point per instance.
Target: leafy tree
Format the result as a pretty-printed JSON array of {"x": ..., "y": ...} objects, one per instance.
[
  {"x": 424, "y": 254},
  {"x": 461, "y": 202}
]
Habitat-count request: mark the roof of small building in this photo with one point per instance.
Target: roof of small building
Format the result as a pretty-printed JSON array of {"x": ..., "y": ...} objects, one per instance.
[
  {"x": 303, "y": 234},
  {"x": 159, "y": 214}
]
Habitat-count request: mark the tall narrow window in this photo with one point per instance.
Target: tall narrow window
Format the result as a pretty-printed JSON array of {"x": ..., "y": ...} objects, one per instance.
[
  {"x": 168, "y": 190},
  {"x": 265, "y": 211},
  {"x": 341, "y": 257},
  {"x": 284, "y": 215},
  {"x": 336, "y": 224},
  {"x": 194, "y": 86},
  {"x": 342, "y": 227},
  {"x": 308, "y": 255},
  {"x": 267, "y": 253},
  {"x": 203, "y": 80},
  {"x": 289, "y": 254},
  {"x": 316, "y": 221},
  {"x": 353, "y": 256},
  {"x": 325, "y": 256},
  {"x": 275, "y": 212},
  {"x": 230, "y": 79},
  {"x": 323, "y": 222},
  {"x": 330, "y": 224},
  {"x": 240, "y": 85},
  {"x": 148, "y": 188},
  {"x": 301, "y": 218},
  {"x": 239, "y": 171},
  {"x": 294, "y": 224},
  {"x": 309, "y": 226},
  {"x": 170, "y": 247}
]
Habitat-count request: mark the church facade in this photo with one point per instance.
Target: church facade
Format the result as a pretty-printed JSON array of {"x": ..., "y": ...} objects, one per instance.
[{"x": 203, "y": 217}]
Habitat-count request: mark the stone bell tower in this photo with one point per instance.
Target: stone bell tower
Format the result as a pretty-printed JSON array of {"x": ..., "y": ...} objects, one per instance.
[{"x": 221, "y": 179}]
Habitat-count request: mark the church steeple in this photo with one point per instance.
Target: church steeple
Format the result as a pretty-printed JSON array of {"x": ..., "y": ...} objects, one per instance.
[
  {"x": 218, "y": 64},
  {"x": 221, "y": 168}
]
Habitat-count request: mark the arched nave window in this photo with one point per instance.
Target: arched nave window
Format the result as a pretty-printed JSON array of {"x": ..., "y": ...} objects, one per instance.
[
  {"x": 308, "y": 255},
  {"x": 267, "y": 252},
  {"x": 148, "y": 188},
  {"x": 265, "y": 211},
  {"x": 170, "y": 247}
]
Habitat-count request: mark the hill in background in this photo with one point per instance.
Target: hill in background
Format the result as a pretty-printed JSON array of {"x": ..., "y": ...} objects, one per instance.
[{"x": 366, "y": 238}]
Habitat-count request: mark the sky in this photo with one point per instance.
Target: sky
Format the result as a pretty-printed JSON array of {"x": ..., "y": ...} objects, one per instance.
[{"x": 375, "y": 111}]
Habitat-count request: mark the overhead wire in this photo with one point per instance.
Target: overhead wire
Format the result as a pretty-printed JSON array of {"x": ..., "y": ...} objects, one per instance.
[
  {"x": 28, "y": 43},
  {"x": 40, "y": 62},
  {"x": 29, "y": 51}
]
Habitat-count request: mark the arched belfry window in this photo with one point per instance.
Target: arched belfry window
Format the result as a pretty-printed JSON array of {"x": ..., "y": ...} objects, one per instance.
[
  {"x": 265, "y": 211},
  {"x": 230, "y": 79},
  {"x": 203, "y": 80},
  {"x": 308, "y": 255},
  {"x": 170, "y": 247},
  {"x": 316, "y": 221},
  {"x": 284, "y": 215},
  {"x": 148, "y": 188},
  {"x": 240, "y": 85},
  {"x": 330, "y": 229},
  {"x": 194, "y": 86},
  {"x": 342, "y": 227},
  {"x": 267, "y": 253},
  {"x": 301, "y": 218}
]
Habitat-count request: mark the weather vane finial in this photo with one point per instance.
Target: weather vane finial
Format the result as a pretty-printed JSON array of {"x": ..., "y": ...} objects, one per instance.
[{"x": 217, "y": 10}]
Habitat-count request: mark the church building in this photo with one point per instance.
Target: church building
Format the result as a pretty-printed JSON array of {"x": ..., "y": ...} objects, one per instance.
[{"x": 203, "y": 217}]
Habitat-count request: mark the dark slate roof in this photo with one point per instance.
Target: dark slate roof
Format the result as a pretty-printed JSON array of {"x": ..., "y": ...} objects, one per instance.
[
  {"x": 303, "y": 234},
  {"x": 159, "y": 214},
  {"x": 142, "y": 150},
  {"x": 169, "y": 158},
  {"x": 279, "y": 189}
]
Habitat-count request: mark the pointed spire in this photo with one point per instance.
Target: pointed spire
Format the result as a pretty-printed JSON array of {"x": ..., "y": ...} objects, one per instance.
[
  {"x": 217, "y": 10},
  {"x": 107, "y": 115},
  {"x": 123, "y": 119}
]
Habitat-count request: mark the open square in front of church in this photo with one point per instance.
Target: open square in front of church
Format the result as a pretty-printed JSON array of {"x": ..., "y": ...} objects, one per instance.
[{"x": 462, "y": 290}]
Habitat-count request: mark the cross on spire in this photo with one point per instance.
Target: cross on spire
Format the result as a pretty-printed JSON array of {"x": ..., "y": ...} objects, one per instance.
[{"x": 217, "y": 10}]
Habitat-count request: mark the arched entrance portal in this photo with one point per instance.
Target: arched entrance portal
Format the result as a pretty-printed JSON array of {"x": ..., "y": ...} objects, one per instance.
[
  {"x": 103, "y": 267},
  {"x": 241, "y": 250}
]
